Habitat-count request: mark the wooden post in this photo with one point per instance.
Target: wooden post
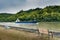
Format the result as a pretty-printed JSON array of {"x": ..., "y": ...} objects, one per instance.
[
  {"x": 38, "y": 34},
  {"x": 50, "y": 35}
]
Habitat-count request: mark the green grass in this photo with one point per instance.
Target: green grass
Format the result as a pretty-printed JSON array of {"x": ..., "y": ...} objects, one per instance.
[{"x": 50, "y": 25}]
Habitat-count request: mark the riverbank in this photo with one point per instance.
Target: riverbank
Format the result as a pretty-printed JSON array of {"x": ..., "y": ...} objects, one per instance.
[{"x": 11, "y": 34}]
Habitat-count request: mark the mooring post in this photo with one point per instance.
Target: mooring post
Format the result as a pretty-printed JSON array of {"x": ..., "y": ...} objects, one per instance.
[
  {"x": 52, "y": 35},
  {"x": 48, "y": 35},
  {"x": 38, "y": 34}
]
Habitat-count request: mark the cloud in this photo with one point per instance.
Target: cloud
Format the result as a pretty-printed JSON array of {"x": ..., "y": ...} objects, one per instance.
[
  {"x": 31, "y": 4},
  {"x": 13, "y": 6}
]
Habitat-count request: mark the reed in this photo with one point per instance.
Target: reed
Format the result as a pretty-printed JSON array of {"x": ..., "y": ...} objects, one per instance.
[{"x": 10, "y": 34}]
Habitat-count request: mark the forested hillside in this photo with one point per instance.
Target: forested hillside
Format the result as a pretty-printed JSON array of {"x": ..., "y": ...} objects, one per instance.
[{"x": 49, "y": 13}]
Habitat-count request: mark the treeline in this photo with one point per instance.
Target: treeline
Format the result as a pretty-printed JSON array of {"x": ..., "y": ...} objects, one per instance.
[{"x": 47, "y": 14}]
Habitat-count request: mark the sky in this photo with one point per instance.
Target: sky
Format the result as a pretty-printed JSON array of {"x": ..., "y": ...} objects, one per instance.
[{"x": 13, "y": 6}]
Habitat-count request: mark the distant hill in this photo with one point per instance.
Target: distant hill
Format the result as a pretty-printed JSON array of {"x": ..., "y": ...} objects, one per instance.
[
  {"x": 51, "y": 13},
  {"x": 4, "y": 17},
  {"x": 47, "y": 14}
]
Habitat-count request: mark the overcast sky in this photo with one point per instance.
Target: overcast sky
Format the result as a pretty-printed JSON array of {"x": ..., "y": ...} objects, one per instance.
[{"x": 13, "y": 6}]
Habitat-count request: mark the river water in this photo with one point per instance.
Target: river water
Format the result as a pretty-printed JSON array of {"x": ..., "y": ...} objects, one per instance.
[{"x": 24, "y": 25}]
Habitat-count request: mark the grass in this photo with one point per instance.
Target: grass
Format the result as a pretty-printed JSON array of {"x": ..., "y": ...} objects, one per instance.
[
  {"x": 50, "y": 25},
  {"x": 11, "y": 34}
]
